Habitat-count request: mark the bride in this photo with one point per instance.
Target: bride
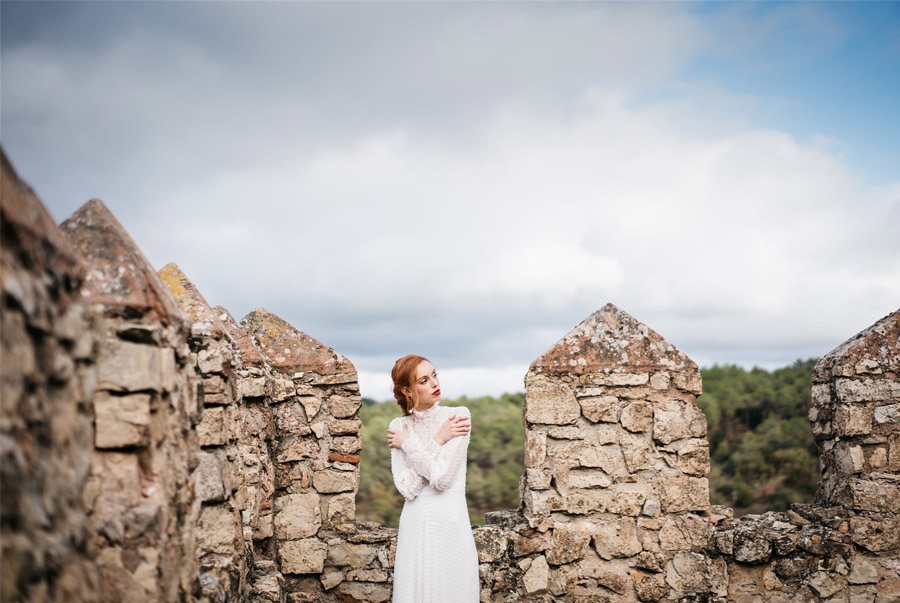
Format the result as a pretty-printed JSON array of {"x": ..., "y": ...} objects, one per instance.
[{"x": 436, "y": 560}]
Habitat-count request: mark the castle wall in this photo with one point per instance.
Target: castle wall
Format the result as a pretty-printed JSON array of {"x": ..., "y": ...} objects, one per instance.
[
  {"x": 47, "y": 381},
  {"x": 139, "y": 498},
  {"x": 219, "y": 478}
]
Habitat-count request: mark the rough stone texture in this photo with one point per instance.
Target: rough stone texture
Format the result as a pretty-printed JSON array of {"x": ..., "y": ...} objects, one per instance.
[
  {"x": 154, "y": 449},
  {"x": 607, "y": 410},
  {"x": 618, "y": 351},
  {"x": 47, "y": 342},
  {"x": 856, "y": 390},
  {"x": 220, "y": 472},
  {"x": 142, "y": 515}
]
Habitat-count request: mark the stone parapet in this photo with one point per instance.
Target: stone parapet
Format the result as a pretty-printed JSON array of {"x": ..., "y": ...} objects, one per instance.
[
  {"x": 222, "y": 544},
  {"x": 48, "y": 350},
  {"x": 142, "y": 515},
  {"x": 855, "y": 417}
]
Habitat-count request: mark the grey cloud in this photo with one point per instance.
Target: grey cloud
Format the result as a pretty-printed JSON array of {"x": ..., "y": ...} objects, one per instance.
[{"x": 467, "y": 181}]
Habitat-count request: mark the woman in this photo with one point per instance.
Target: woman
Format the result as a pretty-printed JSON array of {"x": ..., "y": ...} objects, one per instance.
[{"x": 436, "y": 560}]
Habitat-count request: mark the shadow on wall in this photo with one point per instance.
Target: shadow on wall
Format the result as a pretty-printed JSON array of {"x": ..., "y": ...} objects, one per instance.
[{"x": 155, "y": 449}]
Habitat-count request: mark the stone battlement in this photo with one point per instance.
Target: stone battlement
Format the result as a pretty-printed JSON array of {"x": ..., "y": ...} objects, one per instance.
[{"x": 156, "y": 449}]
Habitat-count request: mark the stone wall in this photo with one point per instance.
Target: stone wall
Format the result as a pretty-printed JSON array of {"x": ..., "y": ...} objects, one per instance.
[
  {"x": 219, "y": 477},
  {"x": 46, "y": 396},
  {"x": 139, "y": 498},
  {"x": 156, "y": 449}
]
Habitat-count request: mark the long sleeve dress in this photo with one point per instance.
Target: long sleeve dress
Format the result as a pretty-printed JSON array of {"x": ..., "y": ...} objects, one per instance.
[{"x": 436, "y": 560}]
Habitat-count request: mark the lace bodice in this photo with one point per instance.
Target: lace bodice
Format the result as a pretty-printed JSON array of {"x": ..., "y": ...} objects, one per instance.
[{"x": 424, "y": 466}]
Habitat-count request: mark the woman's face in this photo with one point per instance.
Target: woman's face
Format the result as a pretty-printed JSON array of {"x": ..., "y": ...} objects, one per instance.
[{"x": 427, "y": 387}]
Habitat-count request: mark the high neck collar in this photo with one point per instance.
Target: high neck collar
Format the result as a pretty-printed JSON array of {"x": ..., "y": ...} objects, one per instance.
[{"x": 424, "y": 414}]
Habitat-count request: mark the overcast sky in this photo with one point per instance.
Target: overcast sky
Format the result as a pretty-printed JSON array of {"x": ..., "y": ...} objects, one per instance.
[{"x": 468, "y": 181}]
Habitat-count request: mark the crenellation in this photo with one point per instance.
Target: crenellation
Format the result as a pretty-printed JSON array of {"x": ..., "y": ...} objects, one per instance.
[{"x": 155, "y": 449}]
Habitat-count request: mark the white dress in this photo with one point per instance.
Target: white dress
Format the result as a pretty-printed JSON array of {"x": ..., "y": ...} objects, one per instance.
[{"x": 436, "y": 560}]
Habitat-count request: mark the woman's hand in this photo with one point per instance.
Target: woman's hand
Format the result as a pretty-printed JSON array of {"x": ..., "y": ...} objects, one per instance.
[
  {"x": 452, "y": 428},
  {"x": 396, "y": 438}
]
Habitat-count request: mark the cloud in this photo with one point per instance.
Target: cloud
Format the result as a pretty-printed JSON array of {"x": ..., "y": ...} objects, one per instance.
[{"x": 467, "y": 183}]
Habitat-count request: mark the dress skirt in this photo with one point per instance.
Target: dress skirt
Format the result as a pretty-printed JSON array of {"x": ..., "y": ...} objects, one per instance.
[{"x": 436, "y": 560}]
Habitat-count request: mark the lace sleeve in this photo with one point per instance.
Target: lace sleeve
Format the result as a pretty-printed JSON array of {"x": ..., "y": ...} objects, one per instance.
[
  {"x": 408, "y": 482},
  {"x": 437, "y": 464}
]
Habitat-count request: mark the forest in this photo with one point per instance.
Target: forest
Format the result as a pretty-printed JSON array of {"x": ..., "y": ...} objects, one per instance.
[{"x": 763, "y": 453}]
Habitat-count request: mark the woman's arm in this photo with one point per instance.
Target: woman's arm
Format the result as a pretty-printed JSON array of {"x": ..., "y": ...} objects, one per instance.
[
  {"x": 408, "y": 482},
  {"x": 437, "y": 464}
]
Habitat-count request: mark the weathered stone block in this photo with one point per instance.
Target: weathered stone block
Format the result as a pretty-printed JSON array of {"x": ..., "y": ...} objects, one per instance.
[
  {"x": 659, "y": 381},
  {"x": 650, "y": 588},
  {"x": 126, "y": 366},
  {"x": 211, "y": 360},
  {"x": 253, "y": 387},
  {"x": 687, "y": 573},
  {"x": 305, "y": 556},
  {"x": 852, "y": 419},
  {"x": 297, "y": 516},
  {"x": 311, "y": 404},
  {"x": 290, "y": 420},
  {"x": 344, "y": 426},
  {"x": 346, "y": 444},
  {"x": 541, "y": 502},
  {"x": 622, "y": 379},
  {"x": 219, "y": 531},
  {"x": 751, "y": 545},
  {"x": 121, "y": 421},
  {"x": 682, "y": 493},
  {"x": 612, "y": 575},
  {"x": 367, "y": 575},
  {"x": 535, "y": 448},
  {"x": 341, "y": 510},
  {"x": 538, "y": 479},
  {"x": 343, "y": 407},
  {"x": 343, "y": 554},
  {"x": 329, "y": 481},
  {"x": 587, "y": 478},
  {"x": 331, "y": 578},
  {"x": 628, "y": 498},
  {"x": 869, "y": 495},
  {"x": 638, "y": 451},
  {"x": 600, "y": 409},
  {"x": 689, "y": 381},
  {"x": 888, "y": 414},
  {"x": 693, "y": 458},
  {"x": 568, "y": 432},
  {"x": 676, "y": 419},
  {"x": 551, "y": 404},
  {"x": 684, "y": 532},
  {"x": 566, "y": 545},
  {"x": 613, "y": 538},
  {"x": 365, "y": 591},
  {"x": 866, "y": 390},
  {"x": 491, "y": 543},
  {"x": 213, "y": 430},
  {"x": 537, "y": 576},
  {"x": 298, "y": 448},
  {"x": 826, "y": 584},
  {"x": 609, "y": 458},
  {"x": 862, "y": 571},
  {"x": 212, "y": 476},
  {"x": 637, "y": 416}
]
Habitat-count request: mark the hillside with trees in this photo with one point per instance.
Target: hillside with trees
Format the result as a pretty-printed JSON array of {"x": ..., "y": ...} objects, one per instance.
[{"x": 762, "y": 449}]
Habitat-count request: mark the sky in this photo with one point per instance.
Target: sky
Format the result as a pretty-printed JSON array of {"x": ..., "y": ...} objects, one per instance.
[{"x": 469, "y": 181}]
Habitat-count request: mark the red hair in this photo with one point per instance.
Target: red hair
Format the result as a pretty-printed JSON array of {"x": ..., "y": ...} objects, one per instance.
[{"x": 404, "y": 375}]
